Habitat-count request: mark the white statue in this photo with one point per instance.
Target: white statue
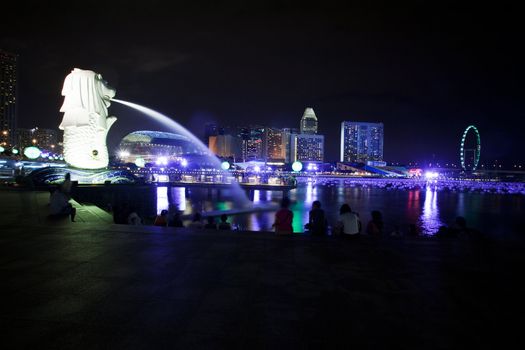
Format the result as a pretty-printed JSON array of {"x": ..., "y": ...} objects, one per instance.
[{"x": 86, "y": 122}]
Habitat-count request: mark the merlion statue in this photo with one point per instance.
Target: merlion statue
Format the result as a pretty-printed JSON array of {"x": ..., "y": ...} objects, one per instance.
[{"x": 86, "y": 122}]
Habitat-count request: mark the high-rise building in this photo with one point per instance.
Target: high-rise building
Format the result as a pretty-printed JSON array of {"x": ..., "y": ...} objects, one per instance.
[
  {"x": 275, "y": 145},
  {"x": 8, "y": 88},
  {"x": 361, "y": 142},
  {"x": 306, "y": 148},
  {"x": 227, "y": 146},
  {"x": 46, "y": 139},
  {"x": 308, "y": 122},
  {"x": 253, "y": 143},
  {"x": 287, "y": 134},
  {"x": 210, "y": 129}
]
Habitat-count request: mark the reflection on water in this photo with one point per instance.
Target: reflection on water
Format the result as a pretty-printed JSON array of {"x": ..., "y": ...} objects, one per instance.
[
  {"x": 430, "y": 221},
  {"x": 500, "y": 213}
]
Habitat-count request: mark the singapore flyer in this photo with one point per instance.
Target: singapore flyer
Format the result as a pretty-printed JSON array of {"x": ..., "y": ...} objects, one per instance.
[{"x": 474, "y": 151}]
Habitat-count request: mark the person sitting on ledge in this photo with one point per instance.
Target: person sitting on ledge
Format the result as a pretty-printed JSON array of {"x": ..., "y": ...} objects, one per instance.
[
  {"x": 224, "y": 224},
  {"x": 175, "y": 220},
  {"x": 196, "y": 222},
  {"x": 162, "y": 219},
  {"x": 283, "y": 218},
  {"x": 59, "y": 205},
  {"x": 317, "y": 221},
  {"x": 134, "y": 218},
  {"x": 211, "y": 225},
  {"x": 375, "y": 226}
]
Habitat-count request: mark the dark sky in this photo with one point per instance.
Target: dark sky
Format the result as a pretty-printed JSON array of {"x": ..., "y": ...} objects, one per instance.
[{"x": 425, "y": 71}]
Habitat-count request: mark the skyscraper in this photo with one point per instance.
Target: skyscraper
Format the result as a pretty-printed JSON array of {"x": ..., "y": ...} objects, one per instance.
[
  {"x": 210, "y": 129},
  {"x": 8, "y": 85},
  {"x": 361, "y": 142},
  {"x": 306, "y": 148},
  {"x": 253, "y": 142},
  {"x": 275, "y": 145},
  {"x": 308, "y": 122}
]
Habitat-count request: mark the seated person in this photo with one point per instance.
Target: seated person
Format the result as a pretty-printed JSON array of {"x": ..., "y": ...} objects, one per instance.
[
  {"x": 59, "y": 205},
  {"x": 317, "y": 221},
  {"x": 224, "y": 224},
  {"x": 133, "y": 217},
  {"x": 348, "y": 223},
  {"x": 211, "y": 225},
  {"x": 162, "y": 219},
  {"x": 196, "y": 221},
  {"x": 283, "y": 218},
  {"x": 175, "y": 220}
]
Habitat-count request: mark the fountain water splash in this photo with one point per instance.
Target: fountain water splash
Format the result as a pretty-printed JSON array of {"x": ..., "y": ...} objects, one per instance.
[{"x": 173, "y": 125}]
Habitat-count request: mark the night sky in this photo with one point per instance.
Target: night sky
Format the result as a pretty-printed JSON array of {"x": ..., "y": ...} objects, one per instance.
[{"x": 426, "y": 72}]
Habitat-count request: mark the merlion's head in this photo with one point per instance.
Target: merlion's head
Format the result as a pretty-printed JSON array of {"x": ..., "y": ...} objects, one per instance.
[{"x": 85, "y": 89}]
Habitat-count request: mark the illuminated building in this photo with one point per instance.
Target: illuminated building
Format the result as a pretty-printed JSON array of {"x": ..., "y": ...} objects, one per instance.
[
  {"x": 361, "y": 142},
  {"x": 275, "y": 145},
  {"x": 8, "y": 89},
  {"x": 210, "y": 129},
  {"x": 151, "y": 145},
  {"x": 226, "y": 146},
  {"x": 253, "y": 143},
  {"x": 287, "y": 134},
  {"x": 45, "y": 139},
  {"x": 306, "y": 147},
  {"x": 308, "y": 122}
]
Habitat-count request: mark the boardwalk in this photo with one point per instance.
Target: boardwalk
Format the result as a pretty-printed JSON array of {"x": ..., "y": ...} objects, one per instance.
[{"x": 93, "y": 284}]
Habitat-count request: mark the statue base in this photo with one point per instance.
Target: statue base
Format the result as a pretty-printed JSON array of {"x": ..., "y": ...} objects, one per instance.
[{"x": 55, "y": 176}]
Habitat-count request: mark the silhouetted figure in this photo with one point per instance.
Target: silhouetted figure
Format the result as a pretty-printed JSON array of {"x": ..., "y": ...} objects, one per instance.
[
  {"x": 317, "y": 220},
  {"x": 162, "y": 219},
  {"x": 175, "y": 220},
  {"x": 283, "y": 218},
  {"x": 224, "y": 224},
  {"x": 375, "y": 226},
  {"x": 59, "y": 205},
  {"x": 196, "y": 221},
  {"x": 348, "y": 224},
  {"x": 211, "y": 225},
  {"x": 66, "y": 185}
]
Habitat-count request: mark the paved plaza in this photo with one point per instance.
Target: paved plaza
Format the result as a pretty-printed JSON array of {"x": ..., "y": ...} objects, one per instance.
[{"x": 91, "y": 284}]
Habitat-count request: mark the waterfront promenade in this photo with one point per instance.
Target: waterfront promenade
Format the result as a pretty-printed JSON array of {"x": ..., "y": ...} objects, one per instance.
[{"x": 92, "y": 284}]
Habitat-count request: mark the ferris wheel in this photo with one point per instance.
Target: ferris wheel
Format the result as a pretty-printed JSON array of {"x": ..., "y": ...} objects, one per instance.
[{"x": 475, "y": 152}]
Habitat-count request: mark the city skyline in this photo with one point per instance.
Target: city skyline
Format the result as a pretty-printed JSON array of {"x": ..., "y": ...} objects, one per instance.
[{"x": 426, "y": 75}]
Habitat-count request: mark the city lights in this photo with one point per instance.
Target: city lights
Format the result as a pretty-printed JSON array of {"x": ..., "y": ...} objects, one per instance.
[
  {"x": 161, "y": 161},
  {"x": 32, "y": 152},
  {"x": 297, "y": 166},
  {"x": 225, "y": 165}
]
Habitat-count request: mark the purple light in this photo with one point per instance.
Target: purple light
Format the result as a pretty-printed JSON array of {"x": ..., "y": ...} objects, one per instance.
[
  {"x": 161, "y": 161},
  {"x": 257, "y": 168},
  {"x": 184, "y": 162},
  {"x": 430, "y": 175}
]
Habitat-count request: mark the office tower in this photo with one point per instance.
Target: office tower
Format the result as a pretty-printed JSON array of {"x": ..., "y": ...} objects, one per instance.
[
  {"x": 287, "y": 134},
  {"x": 306, "y": 148},
  {"x": 308, "y": 122},
  {"x": 226, "y": 146},
  {"x": 275, "y": 145},
  {"x": 8, "y": 88},
  {"x": 361, "y": 142},
  {"x": 210, "y": 129},
  {"x": 253, "y": 142}
]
